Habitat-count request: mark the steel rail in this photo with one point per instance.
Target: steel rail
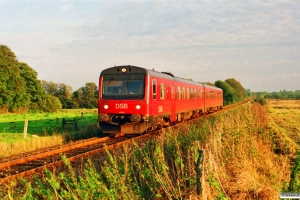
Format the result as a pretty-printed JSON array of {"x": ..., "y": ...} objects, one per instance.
[{"x": 50, "y": 153}]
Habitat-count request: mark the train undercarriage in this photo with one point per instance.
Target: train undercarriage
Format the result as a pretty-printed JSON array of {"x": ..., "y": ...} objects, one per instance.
[{"x": 137, "y": 124}]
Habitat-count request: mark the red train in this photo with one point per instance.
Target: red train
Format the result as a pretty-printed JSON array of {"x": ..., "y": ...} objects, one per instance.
[{"x": 134, "y": 99}]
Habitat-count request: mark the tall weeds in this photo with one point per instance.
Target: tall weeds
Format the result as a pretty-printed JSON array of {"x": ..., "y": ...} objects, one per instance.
[{"x": 238, "y": 163}]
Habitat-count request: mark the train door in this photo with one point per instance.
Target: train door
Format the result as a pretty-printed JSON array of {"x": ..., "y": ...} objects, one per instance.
[{"x": 173, "y": 102}]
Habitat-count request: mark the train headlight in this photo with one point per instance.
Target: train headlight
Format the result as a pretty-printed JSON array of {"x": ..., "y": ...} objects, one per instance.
[
  {"x": 105, "y": 106},
  {"x": 123, "y": 70},
  {"x": 138, "y": 107}
]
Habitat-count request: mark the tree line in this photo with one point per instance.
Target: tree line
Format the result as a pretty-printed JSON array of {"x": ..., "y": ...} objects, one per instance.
[
  {"x": 20, "y": 90},
  {"x": 282, "y": 94}
]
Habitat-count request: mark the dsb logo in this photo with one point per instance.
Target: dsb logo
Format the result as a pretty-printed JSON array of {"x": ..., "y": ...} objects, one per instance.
[{"x": 121, "y": 106}]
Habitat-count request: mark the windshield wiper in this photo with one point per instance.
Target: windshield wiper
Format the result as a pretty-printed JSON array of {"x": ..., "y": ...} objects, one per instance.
[{"x": 130, "y": 79}]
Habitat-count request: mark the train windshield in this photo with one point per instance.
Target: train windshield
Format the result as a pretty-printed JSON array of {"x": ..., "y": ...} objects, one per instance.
[{"x": 123, "y": 86}]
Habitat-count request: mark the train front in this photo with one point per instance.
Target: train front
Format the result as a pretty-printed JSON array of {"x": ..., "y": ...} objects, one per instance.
[{"x": 122, "y": 104}]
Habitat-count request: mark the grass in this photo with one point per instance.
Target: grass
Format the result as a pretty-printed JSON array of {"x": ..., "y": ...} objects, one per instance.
[
  {"x": 239, "y": 162},
  {"x": 43, "y": 123},
  {"x": 42, "y": 130},
  {"x": 284, "y": 120},
  {"x": 274, "y": 103}
]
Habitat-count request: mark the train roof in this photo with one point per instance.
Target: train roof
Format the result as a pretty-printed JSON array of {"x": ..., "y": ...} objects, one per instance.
[{"x": 164, "y": 75}]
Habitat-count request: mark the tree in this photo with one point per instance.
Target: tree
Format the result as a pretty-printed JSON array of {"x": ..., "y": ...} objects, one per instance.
[
  {"x": 87, "y": 97},
  {"x": 78, "y": 97},
  {"x": 239, "y": 90},
  {"x": 228, "y": 92},
  {"x": 90, "y": 94},
  {"x": 33, "y": 86},
  {"x": 50, "y": 87},
  {"x": 12, "y": 87},
  {"x": 248, "y": 92},
  {"x": 50, "y": 104},
  {"x": 62, "y": 91}
]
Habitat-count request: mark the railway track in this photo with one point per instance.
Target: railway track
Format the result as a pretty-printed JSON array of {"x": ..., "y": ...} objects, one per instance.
[
  {"x": 36, "y": 163},
  {"x": 11, "y": 169}
]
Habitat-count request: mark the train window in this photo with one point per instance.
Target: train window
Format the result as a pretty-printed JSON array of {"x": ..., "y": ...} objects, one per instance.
[
  {"x": 195, "y": 94},
  {"x": 123, "y": 86},
  {"x": 183, "y": 93},
  {"x": 162, "y": 91},
  {"x": 188, "y": 94},
  {"x": 154, "y": 89},
  {"x": 173, "y": 92},
  {"x": 178, "y": 93}
]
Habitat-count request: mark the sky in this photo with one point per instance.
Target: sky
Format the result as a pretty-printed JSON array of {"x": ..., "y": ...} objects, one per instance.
[{"x": 256, "y": 42}]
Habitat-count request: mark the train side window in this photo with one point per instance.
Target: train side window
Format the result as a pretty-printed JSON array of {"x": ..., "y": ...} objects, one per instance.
[
  {"x": 178, "y": 93},
  {"x": 188, "y": 93},
  {"x": 195, "y": 94},
  {"x": 173, "y": 92},
  {"x": 162, "y": 91},
  {"x": 183, "y": 93},
  {"x": 154, "y": 89}
]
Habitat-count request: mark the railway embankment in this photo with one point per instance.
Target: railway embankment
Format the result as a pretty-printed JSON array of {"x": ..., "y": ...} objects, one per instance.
[{"x": 235, "y": 154}]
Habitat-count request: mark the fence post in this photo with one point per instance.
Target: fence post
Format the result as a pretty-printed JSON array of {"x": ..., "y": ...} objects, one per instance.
[
  {"x": 199, "y": 169},
  {"x": 56, "y": 127},
  {"x": 63, "y": 122},
  {"x": 25, "y": 128},
  {"x": 75, "y": 124}
]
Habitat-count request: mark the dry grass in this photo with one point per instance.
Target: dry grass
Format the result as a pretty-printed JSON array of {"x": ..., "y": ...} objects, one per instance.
[
  {"x": 241, "y": 158},
  {"x": 275, "y": 103},
  {"x": 29, "y": 144},
  {"x": 285, "y": 121},
  {"x": 15, "y": 144}
]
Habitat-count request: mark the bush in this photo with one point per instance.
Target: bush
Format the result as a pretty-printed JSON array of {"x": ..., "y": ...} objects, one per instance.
[{"x": 261, "y": 100}]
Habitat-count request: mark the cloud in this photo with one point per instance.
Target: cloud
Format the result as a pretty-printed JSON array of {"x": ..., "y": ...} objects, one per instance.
[
  {"x": 203, "y": 40},
  {"x": 66, "y": 7}
]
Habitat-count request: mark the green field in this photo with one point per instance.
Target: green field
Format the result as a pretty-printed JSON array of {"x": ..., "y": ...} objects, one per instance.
[
  {"x": 42, "y": 131},
  {"x": 45, "y": 123}
]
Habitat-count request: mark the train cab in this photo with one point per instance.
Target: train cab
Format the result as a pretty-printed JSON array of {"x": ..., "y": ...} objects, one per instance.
[{"x": 122, "y": 103}]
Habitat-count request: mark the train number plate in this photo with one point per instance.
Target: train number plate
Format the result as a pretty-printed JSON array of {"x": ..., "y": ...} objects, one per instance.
[{"x": 160, "y": 109}]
